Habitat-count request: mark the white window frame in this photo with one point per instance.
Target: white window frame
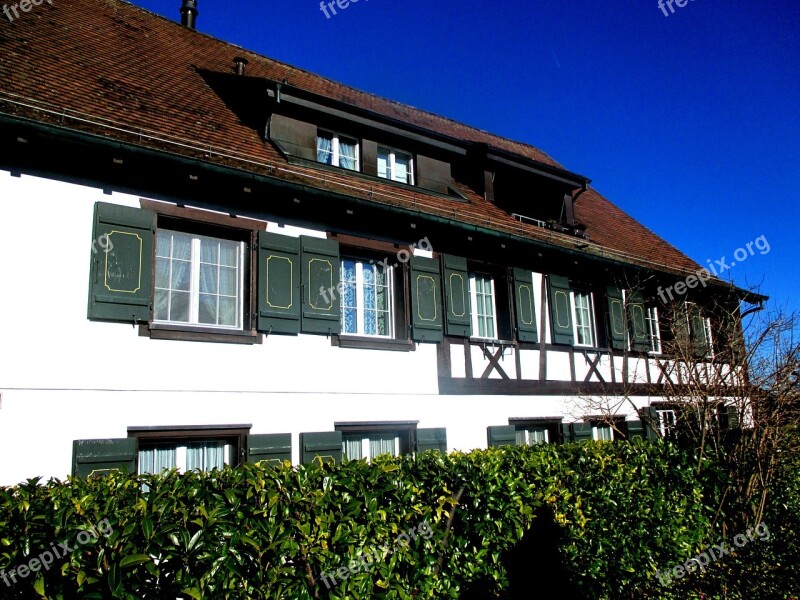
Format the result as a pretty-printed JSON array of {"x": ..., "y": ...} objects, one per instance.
[
  {"x": 474, "y": 316},
  {"x": 335, "y": 148},
  {"x": 365, "y": 444},
  {"x": 360, "y": 309},
  {"x": 592, "y": 332},
  {"x": 392, "y": 158},
  {"x": 194, "y": 283},
  {"x": 663, "y": 426},
  {"x": 653, "y": 329},
  {"x": 180, "y": 452}
]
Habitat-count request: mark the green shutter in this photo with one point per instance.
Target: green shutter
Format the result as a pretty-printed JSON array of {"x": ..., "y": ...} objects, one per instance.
[
  {"x": 616, "y": 318},
  {"x": 122, "y": 264},
  {"x": 278, "y": 283},
  {"x": 636, "y": 316},
  {"x": 426, "y": 302},
  {"x": 566, "y": 433},
  {"x": 320, "y": 285},
  {"x": 525, "y": 306},
  {"x": 582, "y": 432},
  {"x": 501, "y": 435},
  {"x": 699, "y": 339},
  {"x": 273, "y": 448},
  {"x": 98, "y": 457},
  {"x": 561, "y": 310},
  {"x": 326, "y": 445},
  {"x": 635, "y": 429},
  {"x": 651, "y": 423},
  {"x": 432, "y": 439},
  {"x": 456, "y": 296}
]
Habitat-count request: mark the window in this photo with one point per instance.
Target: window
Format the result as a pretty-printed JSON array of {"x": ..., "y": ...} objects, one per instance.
[
  {"x": 584, "y": 321},
  {"x": 367, "y": 298},
  {"x": 699, "y": 327},
  {"x": 368, "y": 440},
  {"x": 356, "y": 446},
  {"x": 482, "y": 295},
  {"x": 188, "y": 448},
  {"x": 602, "y": 432},
  {"x": 532, "y": 436},
  {"x": 200, "y": 455},
  {"x": 199, "y": 280},
  {"x": 395, "y": 165},
  {"x": 337, "y": 150},
  {"x": 666, "y": 422},
  {"x": 653, "y": 330}
]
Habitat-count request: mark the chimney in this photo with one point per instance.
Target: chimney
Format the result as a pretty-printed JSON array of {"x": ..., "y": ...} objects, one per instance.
[
  {"x": 239, "y": 63},
  {"x": 189, "y": 13}
]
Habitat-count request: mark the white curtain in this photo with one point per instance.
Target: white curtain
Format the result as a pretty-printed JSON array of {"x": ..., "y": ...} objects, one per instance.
[
  {"x": 347, "y": 154},
  {"x": 156, "y": 459},
  {"x": 384, "y": 444},
  {"x": 205, "y": 456},
  {"x": 324, "y": 150},
  {"x": 352, "y": 448}
]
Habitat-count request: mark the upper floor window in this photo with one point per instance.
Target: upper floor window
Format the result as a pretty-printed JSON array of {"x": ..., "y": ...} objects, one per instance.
[
  {"x": 337, "y": 150},
  {"x": 395, "y": 165},
  {"x": 584, "y": 318},
  {"x": 666, "y": 422},
  {"x": 482, "y": 296},
  {"x": 367, "y": 298},
  {"x": 653, "y": 330},
  {"x": 199, "y": 280}
]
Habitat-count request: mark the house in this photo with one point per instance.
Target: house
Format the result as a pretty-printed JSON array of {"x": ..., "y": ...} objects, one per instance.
[{"x": 224, "y": 258}]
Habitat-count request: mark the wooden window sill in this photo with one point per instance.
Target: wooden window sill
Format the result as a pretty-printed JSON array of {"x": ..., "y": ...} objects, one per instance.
[
  {"x": 369, "y": 343},
  {"x": 161, "y": 331}
]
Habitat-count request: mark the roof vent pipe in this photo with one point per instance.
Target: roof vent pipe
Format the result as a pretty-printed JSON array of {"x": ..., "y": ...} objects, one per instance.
[
  {"x": 189, "y": 13},
  {"x": 239, "y": 63}
]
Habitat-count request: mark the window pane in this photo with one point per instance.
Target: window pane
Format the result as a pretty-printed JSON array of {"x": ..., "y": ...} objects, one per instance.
[
  {"x": 179, "y": 307},
  {"x": 381, "y": 444},
  {"x": 383, "y": 163},
  {"x": 325, "y": 148},
  {"x": 229, "y": 254},
  {"x": 209, "y": 251},
  {"x": 402, "y": 164},
  {"x": 161, "y": 305},
  {"x": 208, "y": 279},
  {"x": 181, "y": 275},
  {"x": 352, "y": 448},
  {"x": 162, "y": 273},
  {"x": 347, "y": 154}
]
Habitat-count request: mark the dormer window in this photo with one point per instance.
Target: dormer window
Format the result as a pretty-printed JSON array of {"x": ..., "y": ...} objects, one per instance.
[
  {"x": 395, "y": 165},
  {"x": 337, "y": 150}
]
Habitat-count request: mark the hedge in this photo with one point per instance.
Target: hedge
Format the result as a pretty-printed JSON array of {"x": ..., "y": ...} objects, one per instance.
[{"x": 256, "y": 531}]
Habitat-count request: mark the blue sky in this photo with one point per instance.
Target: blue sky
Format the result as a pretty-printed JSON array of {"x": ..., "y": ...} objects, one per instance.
[{"x": 689, "y": 122}]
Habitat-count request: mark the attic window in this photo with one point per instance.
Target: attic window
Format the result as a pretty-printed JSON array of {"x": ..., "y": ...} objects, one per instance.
[
  {"x": 337, "y": 150},
  {"x": 395, "y": 165}
]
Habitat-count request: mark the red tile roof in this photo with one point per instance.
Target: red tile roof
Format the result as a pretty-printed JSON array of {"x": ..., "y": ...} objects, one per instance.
[{"x": 109, "y": 67}]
